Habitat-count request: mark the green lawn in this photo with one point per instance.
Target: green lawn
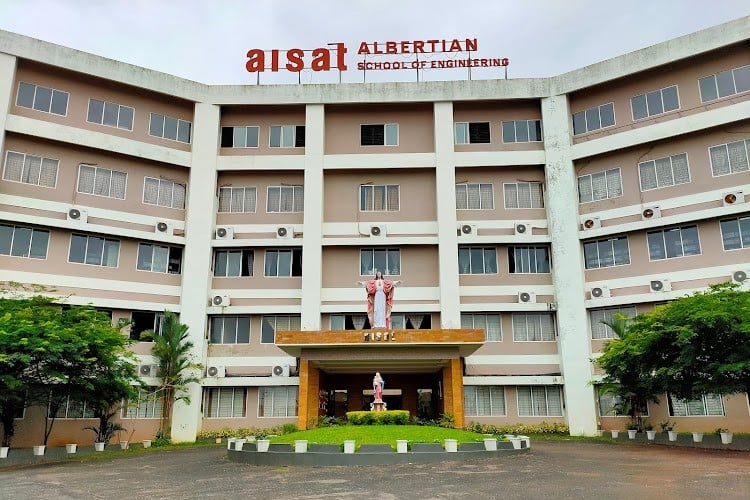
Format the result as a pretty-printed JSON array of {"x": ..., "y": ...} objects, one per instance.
[{"x": 379, "y": 434}]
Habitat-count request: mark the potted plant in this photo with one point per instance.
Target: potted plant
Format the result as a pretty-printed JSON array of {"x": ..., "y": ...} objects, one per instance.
[
  {"x": 71, "y": 448},
  {"x": 632, "y": 429},
  {"x": 105, "y": 430},
  {"x": 615, "y": 433},
  {"x": 726, "y": 436},
  {"x": 402, "y": 445},
  {"x": 650, "y": 432},
  {"x": 697, "y": 437},
  {"x": 349, "y": 445},
  {"x": 668, "y": 426}
]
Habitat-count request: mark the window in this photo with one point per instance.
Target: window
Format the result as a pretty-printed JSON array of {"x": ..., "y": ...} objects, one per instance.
[
  {"x": 489, "y": 322},
  {"x": 237, "y": 199},
  {"x": 606, "y": 253},
  {"x": 379, "y": 135},
  {"x": 350, "y": 321},
  {"x": 528, "y": 260},
  {"x": 73, "y": 408},
  {"x": 474, "y": 197},
  {"x": 726, "y": 83},
  {"x": 240, "y": 137},
  {"x": 598, "y": 317},
  {"x": 533, "y": 327},
  {"x": 287, "y": 136},
  {"x": 21, "y": 241},
  {"x": 233, "y": 263},
  {"x": 93, "y": 250},
  {"x": 146, "y": 405},
  {"x": 30, "y": 169},
  {"x": 230, "y": 330},
  {"x": 599, "y": 186},
  {"x": 735, "y": 233},
  {"x": 675, "y": 242},
  {"x": 285, "y": 199},
  {"x": 594, "y": 118},
  {"x": 663, "y": 172},
  {"x": 729, "y": 158},
  {"x": 42, "y": 99},
  {"x": 385, "y": 260},
  {"x": 472, "y": 133},
  {"x": 283, "y": 263},
  {"x": 277, "y": 401},
  {"x": 612, "y": 405},
  {"x": 270, "y": 324},
  {"x": 101, "y": 181},
  {"x": 707, "y": 405},
  {"x": 655, "y": 103},
  {"x": 224, "y": 402},
  {"x": 164, "y": 193},
  {"x": 143, "y": 321},
  {"x": 539, "y": 401},
  {"x": 523, "y": 195},
  {"x": 484, "y": 401},
  {"x": 522, "y": 131},
  {"x": 110, "y": 114},
  {"x": 383, "y": 198},
  {"x": 159, "y": 259},
  {"x": 477, "y": 260},
  {"x": 411, "y": 321},
  {"x": 169, "y": 128}
]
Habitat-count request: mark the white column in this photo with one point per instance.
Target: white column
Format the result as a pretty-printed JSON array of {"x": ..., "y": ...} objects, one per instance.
[
  {"x": 445, "y": 184},
  {"x": 8, "y": 72},
  {"x": 200, "y": 215},
  {"x": 312, "y": 250},
  {"x": 568, "y": 271}
]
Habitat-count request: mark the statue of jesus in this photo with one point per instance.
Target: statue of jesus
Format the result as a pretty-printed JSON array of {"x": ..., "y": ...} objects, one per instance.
[
  {"x": 377, "y": 386},
  {"x": 379, "y": 300}
]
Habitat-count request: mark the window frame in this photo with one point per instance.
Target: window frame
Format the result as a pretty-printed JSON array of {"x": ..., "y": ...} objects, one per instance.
[
  {"x": 473, "y": 316},
  {"x": 104, "y": 110},
  {"x": 244, "y": 255},
  {"x": 585, "y": 113},
  {"x": 484, "y": 249},
  {"x": 291, "y": 319},
  {"x": 208, "y": 402},
  {"x": 491, "y": 391},
  {"x": 653, "y": 161},
  {"x": 295, "y": 262},
  {"x": 93, "y": 192},
  {"x": 263, "y": 394},
  {"x": 608, "y": 314},
  {"x": 731, "y": 164},
  {"x": 388, "y": 139},
  {"x": 672, "y": 401},
  {"x": 363, "y": 195},
  {"x": 297, "y": 140},
  {"x": 298, "y": 193},
  {"x": 227, "y": 336},
  {"x": 86, "y": 253},
  {"x": 171, "y": 257},
  {"x": 541, "y": 315},
  {"x": 42, "y": 160},
  {"x": 532, "y": 198},
  {"x": 179, "y": 128},
  {"x": 741, "y": 235},
  {"x": 606, "y": 174},
  {"x": 158, "y": 190},
  {"x": 30, "y": 246},
  {"x": 715, "y": 78},
  {"x": 646, "y": 95},
  {"x": 468, "y": 133},
  {"x": 534, "y": 404},
  {"x": 53, "y": 93},
  {"x": 663, "y": 232},
  {"x": 529, "y": 123},
  {"x": 231, "y": 190},
  {"x": 234, "y": 138},
  {"x": 603, "y": 241},
  {"x": 513, "y": 261},
  {"x": 388, "y": 267},
  {"x": 479, "y": 186},
  {"x": 152, "y": 409},
  {"x": 86, "y": 413}
]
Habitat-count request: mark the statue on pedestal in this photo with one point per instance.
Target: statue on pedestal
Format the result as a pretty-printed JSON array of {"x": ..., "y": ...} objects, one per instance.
[
  {"x": 377, "y": 387},
  {"x": 379, "y": 300}
]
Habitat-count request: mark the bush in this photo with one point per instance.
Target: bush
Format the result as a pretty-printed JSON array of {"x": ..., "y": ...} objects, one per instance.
[
  {"x": 389, "y": 417},
  {"x": 289, "y": 428},
  {"x": 516, "y": 429},
  {"x": 325, "y": 421}
]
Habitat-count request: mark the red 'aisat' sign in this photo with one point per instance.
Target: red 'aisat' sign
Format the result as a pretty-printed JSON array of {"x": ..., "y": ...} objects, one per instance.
[{"x": 334, "y": 56}]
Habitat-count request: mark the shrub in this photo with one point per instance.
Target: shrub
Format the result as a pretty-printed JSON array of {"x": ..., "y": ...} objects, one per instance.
[
  {"x": 524, "y": 429},
  {"x": 392, "y": 417},
  {"x": 447, "y": 421},
  {"x": 288, "y": 428},
  {"x": 325, "y": 421}
]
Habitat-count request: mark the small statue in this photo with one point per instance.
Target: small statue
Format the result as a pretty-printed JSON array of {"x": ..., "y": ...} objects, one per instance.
[{"x": 377, "y": 385}]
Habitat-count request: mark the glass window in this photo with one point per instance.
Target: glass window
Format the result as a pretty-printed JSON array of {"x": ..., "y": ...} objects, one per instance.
[
  {"x": 528, "y": 260},
  {"x": 470, "y": 196},
  {"x": 600, "y": 186},
  {"x": 19, "y": 241},
  {"x": 606, "y": 253},
  {"x": 277, "y": 401},
  {"x": 111, "y": 114},
  {"x": 93, "y": 250},
  {"x": 664, "y": 172},
  {"x": 73, "y": 408},
  {"x": 490, "y": 322},
  {"x": 237, "y": 199},
  {"x": 730, "y": 158},
  {"x": 169, "y": 128},
  {"x": 385, "y": 260},
  {"x": 164, "y": 193},
  {"x": 101, "y": 181},
  {"x": 240, "y": 137},
  {"x": 146, "y": 405},
  {"x": 522, "y": 131},
  {"x": 379, "y": 135},
  {"x": 533, "y": 327},
  {"x": 283, "y": 262},
  {"x": 30, "y": 169},
  {"x": 477, "y": 260},
  {"x": 484, "y": 401},
  {"x": 225, "y": 402},
  {"x": 539, "y": 401},
  {"x": 725, "y": 84},
  {"x": 270, "y": 324},
  {"x": 159, "y": 259},
  {"x": 706, "y": 405},
  {"x": 230, "y": 330},
  {"x": 523, "y": 195},
  {"x": 735, "y": 233},
  {"x": 285, "y": 199},
  {"x": 287, "y": 136},
  {"x": 379, "y": 198},
  {"x": 233, "y": 263},
  {"x": 594, "y": 118},
  {"x": 598, "y": 317},
  {"x": 42, "y": 99},
  {"x": 674, "y": 242}
]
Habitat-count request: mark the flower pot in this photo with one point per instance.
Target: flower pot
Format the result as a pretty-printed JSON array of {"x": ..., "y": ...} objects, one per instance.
[
  {"x": 71, "y": 448},
  {"x": 4, "y": 451},
  {"x": 349, "y": 446},
  {"x": 99, "y": 446},
  {"x": 263, "y": 444},
  {"x": 632, "y": 433},
  {"x": 146, "y": 443},
  {"x": 697, "y": 437},
  {"x": 238, "y": 444},
  {"x": 650, "y": 435},
  {"x": 123, "y": 445},
  {"x": 490, "y": 444},
  {"x": 451, "y": 445},
  {"x": 218, "y": 440},
  {"x": 230, "y": 443},
  {"x": 402, "y": 445},
  {"x": 615, "y": 434},
  {"x": 600, "y": 433},
  {"x": 726, "y": 438},
  {"x": 672, "y": 435},
  {"x": 516, "y": 442},
  {"x": 300, "y": 446},
  {"x": 39, "y": 450}
]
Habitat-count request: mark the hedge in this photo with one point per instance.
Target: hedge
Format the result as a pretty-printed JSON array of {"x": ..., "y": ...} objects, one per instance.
[{"x": 388, "y": 417}]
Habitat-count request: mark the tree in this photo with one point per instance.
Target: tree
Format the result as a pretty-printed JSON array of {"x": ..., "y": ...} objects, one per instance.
[{"x": 693, "y": 345}]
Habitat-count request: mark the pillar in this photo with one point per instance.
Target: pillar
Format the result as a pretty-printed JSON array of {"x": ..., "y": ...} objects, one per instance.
[
  {"x": 309, "y": 390},
  {"x": 453, "y": 391}
]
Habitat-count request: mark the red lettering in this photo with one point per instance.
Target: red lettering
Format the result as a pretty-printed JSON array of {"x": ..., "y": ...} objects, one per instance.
[
  {"x": 294, "y": 56},
  {"x": 471, "y": 44},
  {"x": 505, "y": 61},
  {"x": 455, "y": 46},
  {"x": 432, "y": 44},
  {"x": 390, "y": 48},
  {"x": 375, "y": 49},
  {"x": 363, "y": 48},
  {"x": 340, "y": 53},
  {"x": 405, "y": 48},
  {"x": 275, "y": 60},
  {"x": 419, "y": 46},
  {"x": 321, "y": 60},
  {"x": 256, "y": 60}
]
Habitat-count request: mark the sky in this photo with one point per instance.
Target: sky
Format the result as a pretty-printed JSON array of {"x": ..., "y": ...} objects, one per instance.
[{"x": 207, "y": 40}]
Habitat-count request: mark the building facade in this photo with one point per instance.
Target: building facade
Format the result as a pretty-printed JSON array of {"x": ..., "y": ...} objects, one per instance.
[{"x": 518, "y": 214}]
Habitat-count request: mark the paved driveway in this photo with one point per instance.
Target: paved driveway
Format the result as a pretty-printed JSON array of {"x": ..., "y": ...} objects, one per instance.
[{"x": 554, "y": 470}]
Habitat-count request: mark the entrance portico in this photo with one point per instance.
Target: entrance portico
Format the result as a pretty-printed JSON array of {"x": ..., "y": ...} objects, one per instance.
[{"x": 423, "y": 370}]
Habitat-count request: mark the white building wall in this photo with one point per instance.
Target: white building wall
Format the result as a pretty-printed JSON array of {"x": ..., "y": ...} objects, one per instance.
[{"x": 8, "y": 69}]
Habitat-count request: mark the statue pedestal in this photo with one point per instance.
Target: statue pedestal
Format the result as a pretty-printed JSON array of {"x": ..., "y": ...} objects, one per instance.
[{"x": 378, "y": 405}]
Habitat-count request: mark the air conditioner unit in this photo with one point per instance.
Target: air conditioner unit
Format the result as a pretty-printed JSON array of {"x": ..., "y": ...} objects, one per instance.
[
  {"x": 522, "y": 228},
  {"x": 662, "y": 285},
  {"x": 733, "y": 198},
  {"x": 285, "y": 232},
  {"x": 739, "y": 276},
  {"x": 467, "y": 229},
  {"x": 652, "y": 212},
  {"x": 164, "y": 227},
  {"x": 527, "y": 297},
  {"x": 224, "y": 233},
  {"x": 378, "y": 230},
  {"x": 592, "y": 223},
  {"x": 216, "y": 371},
  {"x": 220, "y": 300},
  {"x": 280, "y": 371},
  {"x": 148, "y": 370},
  {"x": 599, "y": 292},
  {"x": 78, "y": 214}
]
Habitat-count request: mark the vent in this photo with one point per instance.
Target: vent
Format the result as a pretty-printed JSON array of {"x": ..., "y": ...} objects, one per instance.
[
  {"x": 733, "y": 198},
  {"x": 163, "y": 227},
  {"x": 653, "y": 212},
  {"x": 280, "y": 371},
  {"x": 527, "y": 297},
  {"x": 148, "y": 370},
  {"x": 468, "y": 229},
  {"x": 739, "y": 276},
  {"x": 522, "y": 228},
  {"x": 78, "y": 214},
  {"x": 224, "y": 233},
  {"x": 216, "y": 371},
  {"x": 285, "y": 232},
  {"x": 220, "y": 300},
  {"x": 662, "y": 285},
  {"x": 378, "y": 230},
  {"x": 599, "y": 292},
  {"x": 592, "y": 223}
]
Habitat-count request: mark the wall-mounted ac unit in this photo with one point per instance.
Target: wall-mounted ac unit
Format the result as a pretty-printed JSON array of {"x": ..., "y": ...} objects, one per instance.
[
  {"x": 220, "y": 300},
  {"x": 662, "y": 285},
  {"x": 224, "y": 233},
  {"x": 739, "y": 276},
  {"x": 78, "y": 214},
  {"x": 148, "y": 370},
  {"x": 592, "y": 223},
  {"x": 285, "y": 232},
  {"x": 599, "y": 292},
  {"x": 467, "y": 229},
  {"x": 164, "y": 227},
  {"x": 378, "y": 231},
  {"x": 652, "y": 212},
  {"x": 733, "y": 198},
  {"x": 280, "y": 371},
  {"x": 527, "y": 297},
  {"x": 522, "y": 228},
  {"x": 216, "y": 371}
]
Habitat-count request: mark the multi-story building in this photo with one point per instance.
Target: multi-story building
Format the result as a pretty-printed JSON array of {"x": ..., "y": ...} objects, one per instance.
[{"x": 517, "y": 213}]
